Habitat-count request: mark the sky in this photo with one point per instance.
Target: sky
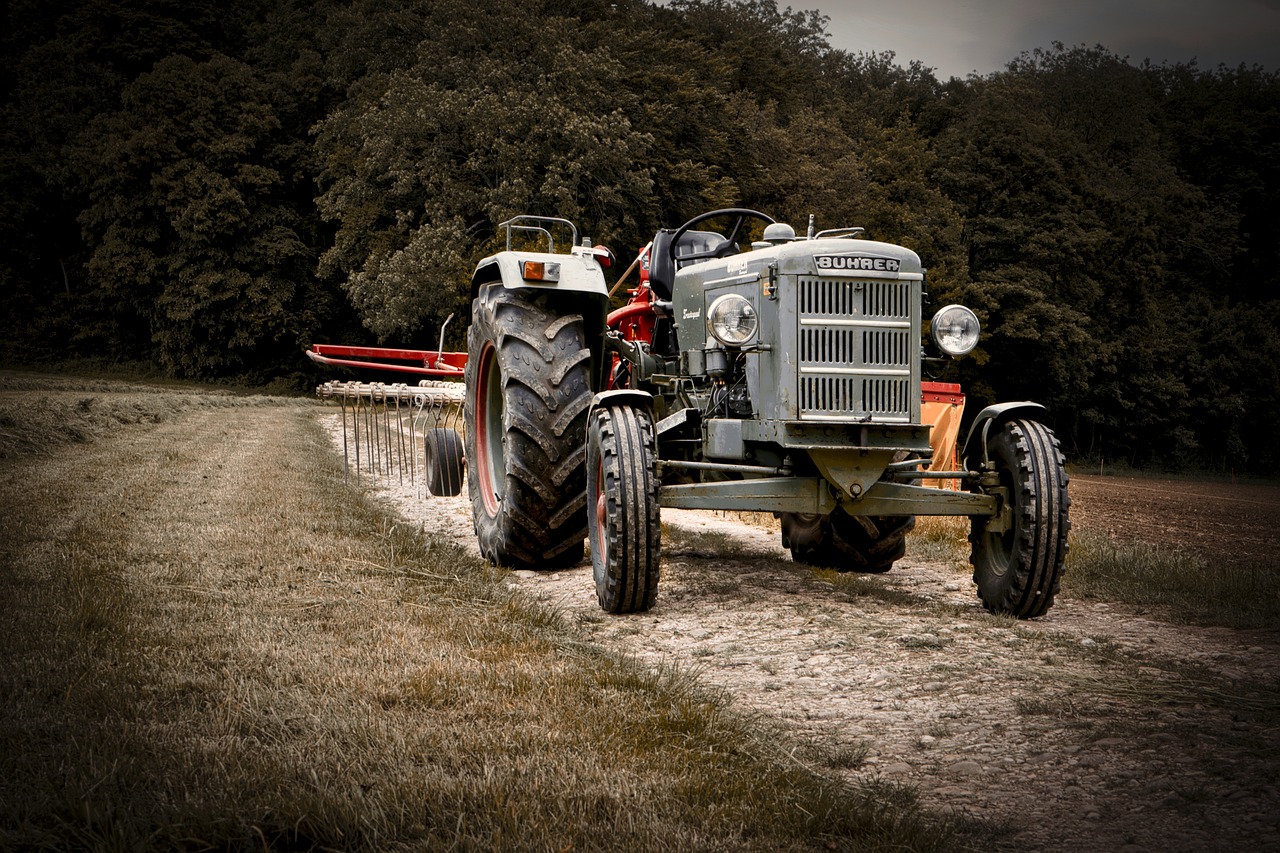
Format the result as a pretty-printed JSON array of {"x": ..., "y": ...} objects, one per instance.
[{"x": 960, "y": 37}]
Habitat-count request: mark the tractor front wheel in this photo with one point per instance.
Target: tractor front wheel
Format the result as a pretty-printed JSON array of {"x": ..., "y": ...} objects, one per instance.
[
  {"x": 528, "y": 391},
  {"x": 1018, "y": 559},
  {"x": 622, "y": 508}
]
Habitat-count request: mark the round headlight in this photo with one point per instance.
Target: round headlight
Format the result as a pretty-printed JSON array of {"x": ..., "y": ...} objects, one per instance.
[
  {"x": 732, "y": 320},
  {"x": 955, "y": 330}
]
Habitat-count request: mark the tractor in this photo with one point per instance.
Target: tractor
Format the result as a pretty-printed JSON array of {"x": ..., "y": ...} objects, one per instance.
[
  {"x": 752, "y": 369},
  {"x": 782, "y": 376}
]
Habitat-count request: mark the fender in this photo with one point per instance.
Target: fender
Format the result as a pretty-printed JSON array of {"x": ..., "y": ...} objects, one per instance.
[
  {"x": 623, "y": 397},
  {"x": 580, "y": 272},
  {"x": 991, "y": 417}
]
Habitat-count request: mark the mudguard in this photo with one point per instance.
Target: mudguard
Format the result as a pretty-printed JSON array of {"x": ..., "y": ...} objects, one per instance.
[
  {"x": 975, "y": 446},
  {"x": 623, "y": 396},
  {"x": 580, "y": 272}
]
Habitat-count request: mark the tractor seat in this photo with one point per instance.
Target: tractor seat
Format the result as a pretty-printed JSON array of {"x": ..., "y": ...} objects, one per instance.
[{"x": 662, "y": 271}]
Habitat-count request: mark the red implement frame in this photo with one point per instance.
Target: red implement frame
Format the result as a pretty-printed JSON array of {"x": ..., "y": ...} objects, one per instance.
[{"x": 442, "y": 365}]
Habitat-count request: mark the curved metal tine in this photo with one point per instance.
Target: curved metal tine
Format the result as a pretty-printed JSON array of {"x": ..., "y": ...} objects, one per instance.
[
  {"x": 384, "y": 452},
  {"x": 386, "y": 425},
  {"x": 375, "y": 447},
  {"x": 345, "y": 464},
  {"x": 413, "y": 445},
  {"x": 367, "y": 399},
  {"x": 399, "y": 438},
  {"x": 355, "y": 425}
]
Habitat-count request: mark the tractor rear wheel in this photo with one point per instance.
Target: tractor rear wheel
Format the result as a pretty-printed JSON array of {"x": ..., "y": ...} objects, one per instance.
[
  {"x": 528, "y": 391},
  {"x": 622, "y": 508},
  {"x": 1018, "y": 565},
  {"x": 845, "y": 542}
]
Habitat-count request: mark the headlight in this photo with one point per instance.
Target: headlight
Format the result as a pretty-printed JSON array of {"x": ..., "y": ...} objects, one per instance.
[
  {"x": 955, "y": 330},
  {"x": 732, "y": 320}
]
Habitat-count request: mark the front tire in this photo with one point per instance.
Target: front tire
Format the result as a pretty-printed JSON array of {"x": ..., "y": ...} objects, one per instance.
[
  {"x": 847, "y": 543},
  {"x": 528, "y": 392},
  {"x": 1018, "y": 570},
  {"x": 622, "y": 507}
]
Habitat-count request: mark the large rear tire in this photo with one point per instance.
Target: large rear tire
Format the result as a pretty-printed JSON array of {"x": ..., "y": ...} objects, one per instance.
[
  {"x": 622, "y": 508},
  {"x": 528, "y": 392},
  {"x": 1018, "y": 570},
  {"x": 845, "y": 542}
]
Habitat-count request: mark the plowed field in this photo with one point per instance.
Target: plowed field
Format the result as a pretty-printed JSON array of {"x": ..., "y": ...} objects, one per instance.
[{"x": 1232, "y": 522}]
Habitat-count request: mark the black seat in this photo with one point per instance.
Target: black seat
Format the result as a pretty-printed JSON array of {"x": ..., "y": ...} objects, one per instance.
[{"x": 662, "y": 269}]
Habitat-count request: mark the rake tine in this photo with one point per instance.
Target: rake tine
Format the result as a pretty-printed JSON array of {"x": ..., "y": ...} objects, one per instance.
[
  {"x": 387, "y": 428},
  {"x": 345, "y": 465},
  {"x": 400, "y": 436},
  {"x": 368, "y": 429},
  {"x": 355, "y": 428},
  {"x": 413, "y": 455}
]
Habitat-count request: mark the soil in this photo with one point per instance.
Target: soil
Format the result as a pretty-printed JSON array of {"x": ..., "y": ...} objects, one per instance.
[
  {"x": 1227, "y": 521},
  {"x": 1095, "y": 727}
]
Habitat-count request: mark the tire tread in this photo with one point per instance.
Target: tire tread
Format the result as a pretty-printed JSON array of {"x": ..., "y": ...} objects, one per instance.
[
  {"x": 627, "y": 565},
  {"x": 1033, "y": 574},
  {"x": 545, "y": 368}
]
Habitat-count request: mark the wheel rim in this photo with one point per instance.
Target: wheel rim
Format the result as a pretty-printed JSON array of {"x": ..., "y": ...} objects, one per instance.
[
  {"x": 491, "y": 462},
  {"x": 1000, "y": 546},
  {"x": 601, "y": 515}
]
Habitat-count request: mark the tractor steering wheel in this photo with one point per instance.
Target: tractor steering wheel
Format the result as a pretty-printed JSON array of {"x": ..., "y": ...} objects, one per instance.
[{"x": 742, "y": 214}]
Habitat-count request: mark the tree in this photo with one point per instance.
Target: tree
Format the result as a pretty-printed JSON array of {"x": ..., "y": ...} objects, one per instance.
[
  {"x": 422, "y": 163},
  {"x": 64, "y": 64},
  {"x": 1076, "y": 234},
  {"x": 192, "y": 245}
]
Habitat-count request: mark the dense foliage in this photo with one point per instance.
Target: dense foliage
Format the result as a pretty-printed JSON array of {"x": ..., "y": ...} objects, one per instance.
[{"x": 210, "y": 187}]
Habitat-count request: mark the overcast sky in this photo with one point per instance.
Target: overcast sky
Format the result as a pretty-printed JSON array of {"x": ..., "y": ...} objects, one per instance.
[{"x": 958, "y": 37}]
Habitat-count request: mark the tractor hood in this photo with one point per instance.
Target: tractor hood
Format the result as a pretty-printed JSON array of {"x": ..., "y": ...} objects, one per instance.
[{"x": 766, "y": 272}]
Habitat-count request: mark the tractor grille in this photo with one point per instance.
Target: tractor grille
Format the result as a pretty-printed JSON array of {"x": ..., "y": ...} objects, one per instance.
[{"x": 855, "y": 349}]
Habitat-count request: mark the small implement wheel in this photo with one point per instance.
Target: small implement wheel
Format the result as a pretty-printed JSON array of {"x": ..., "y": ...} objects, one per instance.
[
  {"x": 622, "y": 508},
  {"x": 1017, "y": 561},
  {"x": 528, "y": 391},
  {"x": 442, "y": 452},
  {"x": 846, "y": 543}
]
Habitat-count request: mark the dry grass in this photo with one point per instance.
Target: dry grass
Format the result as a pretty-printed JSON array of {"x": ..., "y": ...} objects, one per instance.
[
  {"x": 1233, "y": 594},
  {"x": 681, "y": 541},
  {"x": 1183, "y": 585},
  {"x": 39, "y": 413},
  {"x": 941, "y": 539},
  {"x": 208, "y": 641}
]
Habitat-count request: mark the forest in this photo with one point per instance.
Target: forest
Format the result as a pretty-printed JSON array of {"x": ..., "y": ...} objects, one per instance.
[{"x": 209, "y": 186}]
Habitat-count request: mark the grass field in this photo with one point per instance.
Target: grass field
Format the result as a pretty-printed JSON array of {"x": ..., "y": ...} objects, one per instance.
[{"x": 208, "y": 640}]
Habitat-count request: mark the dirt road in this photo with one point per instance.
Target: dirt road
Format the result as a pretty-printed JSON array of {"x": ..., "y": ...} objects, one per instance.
[{"x": 1089, "y": 729}]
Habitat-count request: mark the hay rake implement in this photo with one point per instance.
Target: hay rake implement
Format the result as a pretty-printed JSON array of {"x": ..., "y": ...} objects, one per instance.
[
  {"x": 397, "y": 418},
  {"x": 399, "y": 432}
]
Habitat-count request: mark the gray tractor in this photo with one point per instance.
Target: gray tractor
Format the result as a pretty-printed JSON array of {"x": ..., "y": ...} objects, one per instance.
[{"x": 781, "y": 375}]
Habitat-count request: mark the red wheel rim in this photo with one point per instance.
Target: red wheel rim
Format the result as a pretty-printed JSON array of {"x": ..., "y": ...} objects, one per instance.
[{"x": 490, "y": 459}]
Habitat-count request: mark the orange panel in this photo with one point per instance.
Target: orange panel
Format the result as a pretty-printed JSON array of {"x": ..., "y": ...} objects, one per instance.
[{"x": 943, "y": 407}]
